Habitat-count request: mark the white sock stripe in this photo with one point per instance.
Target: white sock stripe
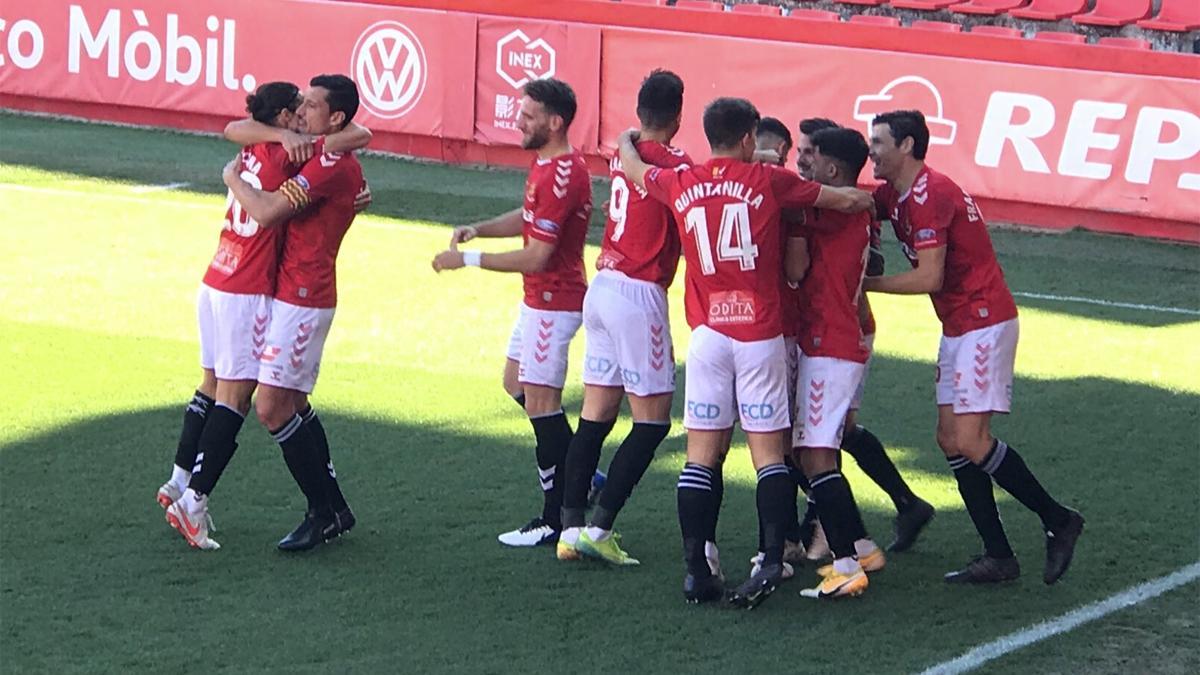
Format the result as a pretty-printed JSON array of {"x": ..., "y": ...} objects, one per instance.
[
  {"x": 997, "y": 457},
  {"x": 288, "y": 429},
  {"x": 697, "y": 468},
  {"x": 957, "y": 462},
  {"x": 826, "y": 478},
  {"x": 560, "y": 411},
  {"x": 772, "y": 470},
  {"x": 235, "y": 411},
  {"x": 308, "y": 416},
  {"x": 685, "y": 483}
]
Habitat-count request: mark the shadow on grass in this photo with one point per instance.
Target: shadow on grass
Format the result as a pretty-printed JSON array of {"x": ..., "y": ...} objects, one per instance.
[{"x": 93, "y": 579}]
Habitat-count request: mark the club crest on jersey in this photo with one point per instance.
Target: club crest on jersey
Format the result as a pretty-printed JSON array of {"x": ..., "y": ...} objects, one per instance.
[
  {"x": 731, "y": 307},
  {"x": 547, "y": 226}
]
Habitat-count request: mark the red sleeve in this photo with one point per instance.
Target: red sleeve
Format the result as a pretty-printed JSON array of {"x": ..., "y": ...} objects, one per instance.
[
  {"x": 792, "y": 191},
  {"x": 320, "y": 178},
  {"x": 881, "y": 202},
  {"x": 554, "y": 204},
  {"x": 930, "y": 214},
  {"x": 661, "y": 184}
]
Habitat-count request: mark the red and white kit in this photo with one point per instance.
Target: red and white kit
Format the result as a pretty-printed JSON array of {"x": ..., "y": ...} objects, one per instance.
[
  {"x": 833, "y": 351},
  {"x": 234, "y": 301},
  {"x": 558, "y": 204},
  {"x": 978, "y": 315},
  {"x": 728, "y": 213},
  {"x": 625, "y": 314},
  {"x": 302, "y": 312}
]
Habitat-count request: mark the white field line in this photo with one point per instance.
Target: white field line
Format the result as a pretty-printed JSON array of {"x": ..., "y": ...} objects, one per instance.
[
  {"x": 143, "y": 189},
  {"x": 405, "y": 227},
  {"x": 1066, "y": 622},
  {"x": 1107, "y": 303},
  {"x": 374, "y": 223}
]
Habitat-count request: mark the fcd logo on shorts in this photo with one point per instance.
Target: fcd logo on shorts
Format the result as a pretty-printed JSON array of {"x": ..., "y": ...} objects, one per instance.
[{"x": 390, "y": 68}]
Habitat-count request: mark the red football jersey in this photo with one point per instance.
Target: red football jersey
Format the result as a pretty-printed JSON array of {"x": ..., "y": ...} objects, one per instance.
[
  {"x": 936, "y": 212},
  {"x": 789, "y": 298},
  {"x": 728, "y": 215},
  {"x": 866, "y": 316},
  {"x": 248, "y": 254},
  {"x": 325, "y": 187},
  {"x": 558, "y": 205},
  {"x": 640, "y": 239},
  {"x": 829, "y": 326}
]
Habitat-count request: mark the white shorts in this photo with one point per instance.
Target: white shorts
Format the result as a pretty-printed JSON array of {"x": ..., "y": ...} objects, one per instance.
[
  {"x": 975, "y": 370},
  {"x": 723, "y": 373},
  {"x": 539, "y": 344},
  {"x": 295, "y": 341},
  {"x": 856, "y": 402},
  {"x": 233, "y": 329},
  {"x": 628, "y": 336},
  {"x": 826, "y": 387}
]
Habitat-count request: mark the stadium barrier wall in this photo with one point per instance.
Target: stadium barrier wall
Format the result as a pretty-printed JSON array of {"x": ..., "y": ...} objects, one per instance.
[{"x": 1047, "y": 145}]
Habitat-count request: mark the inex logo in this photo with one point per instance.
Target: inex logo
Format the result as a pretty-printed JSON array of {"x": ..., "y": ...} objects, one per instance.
[
  {"x": 519, "y": 60},
  {"x": 390, "y": 68},
  {"x": 908, "y": 93}
]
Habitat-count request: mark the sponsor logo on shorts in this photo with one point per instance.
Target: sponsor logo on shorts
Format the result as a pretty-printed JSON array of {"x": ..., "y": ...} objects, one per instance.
[
  {"x": 703, "y": 411},
  {"x": 595, "y": 364},
  {"x": 757, "y": 411},
  {"x": 731, "y": 307}
]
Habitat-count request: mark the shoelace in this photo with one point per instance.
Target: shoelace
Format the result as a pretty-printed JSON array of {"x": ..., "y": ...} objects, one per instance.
[{"x": 535, "y": 524}]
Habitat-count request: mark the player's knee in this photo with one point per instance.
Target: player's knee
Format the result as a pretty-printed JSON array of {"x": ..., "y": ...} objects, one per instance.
[
  {"x": 272, "y": 411},
  {"x": 542, "y": 401},
  {"x": 815, "y": 461}
]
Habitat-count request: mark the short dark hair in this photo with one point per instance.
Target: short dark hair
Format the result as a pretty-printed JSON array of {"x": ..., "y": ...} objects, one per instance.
[
  {"x": 728, "y": 120},
  {"x": 906, "y": 123},
  {"x": 660, "y": 99},
  {"x": 270, "y": 99},
  {"x": 557, "y": 97},
  {"x": 812, "y": 125},
  {"x": 770, "y": 125},
  {"x": 846, "y": 146},
  {"x": 343, "y": 94}
]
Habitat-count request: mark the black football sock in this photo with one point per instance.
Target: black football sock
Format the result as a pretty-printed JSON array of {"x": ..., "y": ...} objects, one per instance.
[
  {"x": 858, "y": 528},
  {"x": 866, "y": 449},
  {"x": 218, "y": 442},
  {"x": 300, "y": 454},
  {"x": 553, "y": 435},
  {"x": 835, "y": 504},
  {"x": 776, "y": 498},
  {"x": 694, "y": 494},
  {"x": 975, "y": 487},
  {"x": 1009, "y": 471},
  {"x": 583, "y": 454},
  {"x": 337, "y": 499},
  {"x": 792, "y": 531},
  {"x": 627, "y": 468},
  {"x": 194, "y": 417},
  {"x": 808, "y": 522},
  {"x": 718, "y": 492}
]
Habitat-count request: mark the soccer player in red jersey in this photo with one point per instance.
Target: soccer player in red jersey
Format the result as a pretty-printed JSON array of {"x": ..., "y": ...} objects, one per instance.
[
  {"x": 553, "y": 223},
  {"x": 946, "y": 240},
  {"x": 912, "y": 512},
  {"x": 629, "y": 349},
  {"x": 234, "y": 311},
  {"x": 728, "y": 212},
  {"x": 832, "y": 354},
  {"x": 318, "y": 205}
]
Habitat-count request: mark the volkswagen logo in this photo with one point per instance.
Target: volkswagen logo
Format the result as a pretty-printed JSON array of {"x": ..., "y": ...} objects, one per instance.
[{"x": 390, "y": 68}]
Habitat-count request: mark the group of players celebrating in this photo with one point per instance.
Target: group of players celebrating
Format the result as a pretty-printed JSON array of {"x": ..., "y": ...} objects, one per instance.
[{"x": 778, "y": 267}]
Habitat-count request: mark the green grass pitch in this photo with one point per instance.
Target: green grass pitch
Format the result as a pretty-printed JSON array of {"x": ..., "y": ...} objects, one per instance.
[{"x": 98, "y": 356}]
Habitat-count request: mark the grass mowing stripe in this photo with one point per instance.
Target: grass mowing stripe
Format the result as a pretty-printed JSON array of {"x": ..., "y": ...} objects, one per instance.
[
  {"x": 1066, "y": 622},
  {"x": 1107, "y": 303}
]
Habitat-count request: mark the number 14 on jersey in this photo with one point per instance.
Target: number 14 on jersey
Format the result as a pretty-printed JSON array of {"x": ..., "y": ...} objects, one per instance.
[{"x": 733, "y": 237}]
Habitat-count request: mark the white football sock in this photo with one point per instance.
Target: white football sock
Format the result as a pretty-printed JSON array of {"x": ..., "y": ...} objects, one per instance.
[
  {"x": 864, "y": 547},
  {"x": 598, "y": 534},
  {"x": 180, "y": 477},
  {"x": 845, "y": 566},
  {"x": 570, "y": 535}
]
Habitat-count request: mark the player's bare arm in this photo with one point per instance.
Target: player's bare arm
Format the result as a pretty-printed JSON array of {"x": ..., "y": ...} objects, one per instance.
[
  {"x": 631, "y": 161},
  {"x": 298, "y": 146},
  {"x": 795, "y": 259},
  {"x": 508, "y": 224},
  {"x": 844, "y": 199},
  {"x": 926, "y": 277},
  {"x": 268, "y": 208},
  {"x": 529, "y": 260}
]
